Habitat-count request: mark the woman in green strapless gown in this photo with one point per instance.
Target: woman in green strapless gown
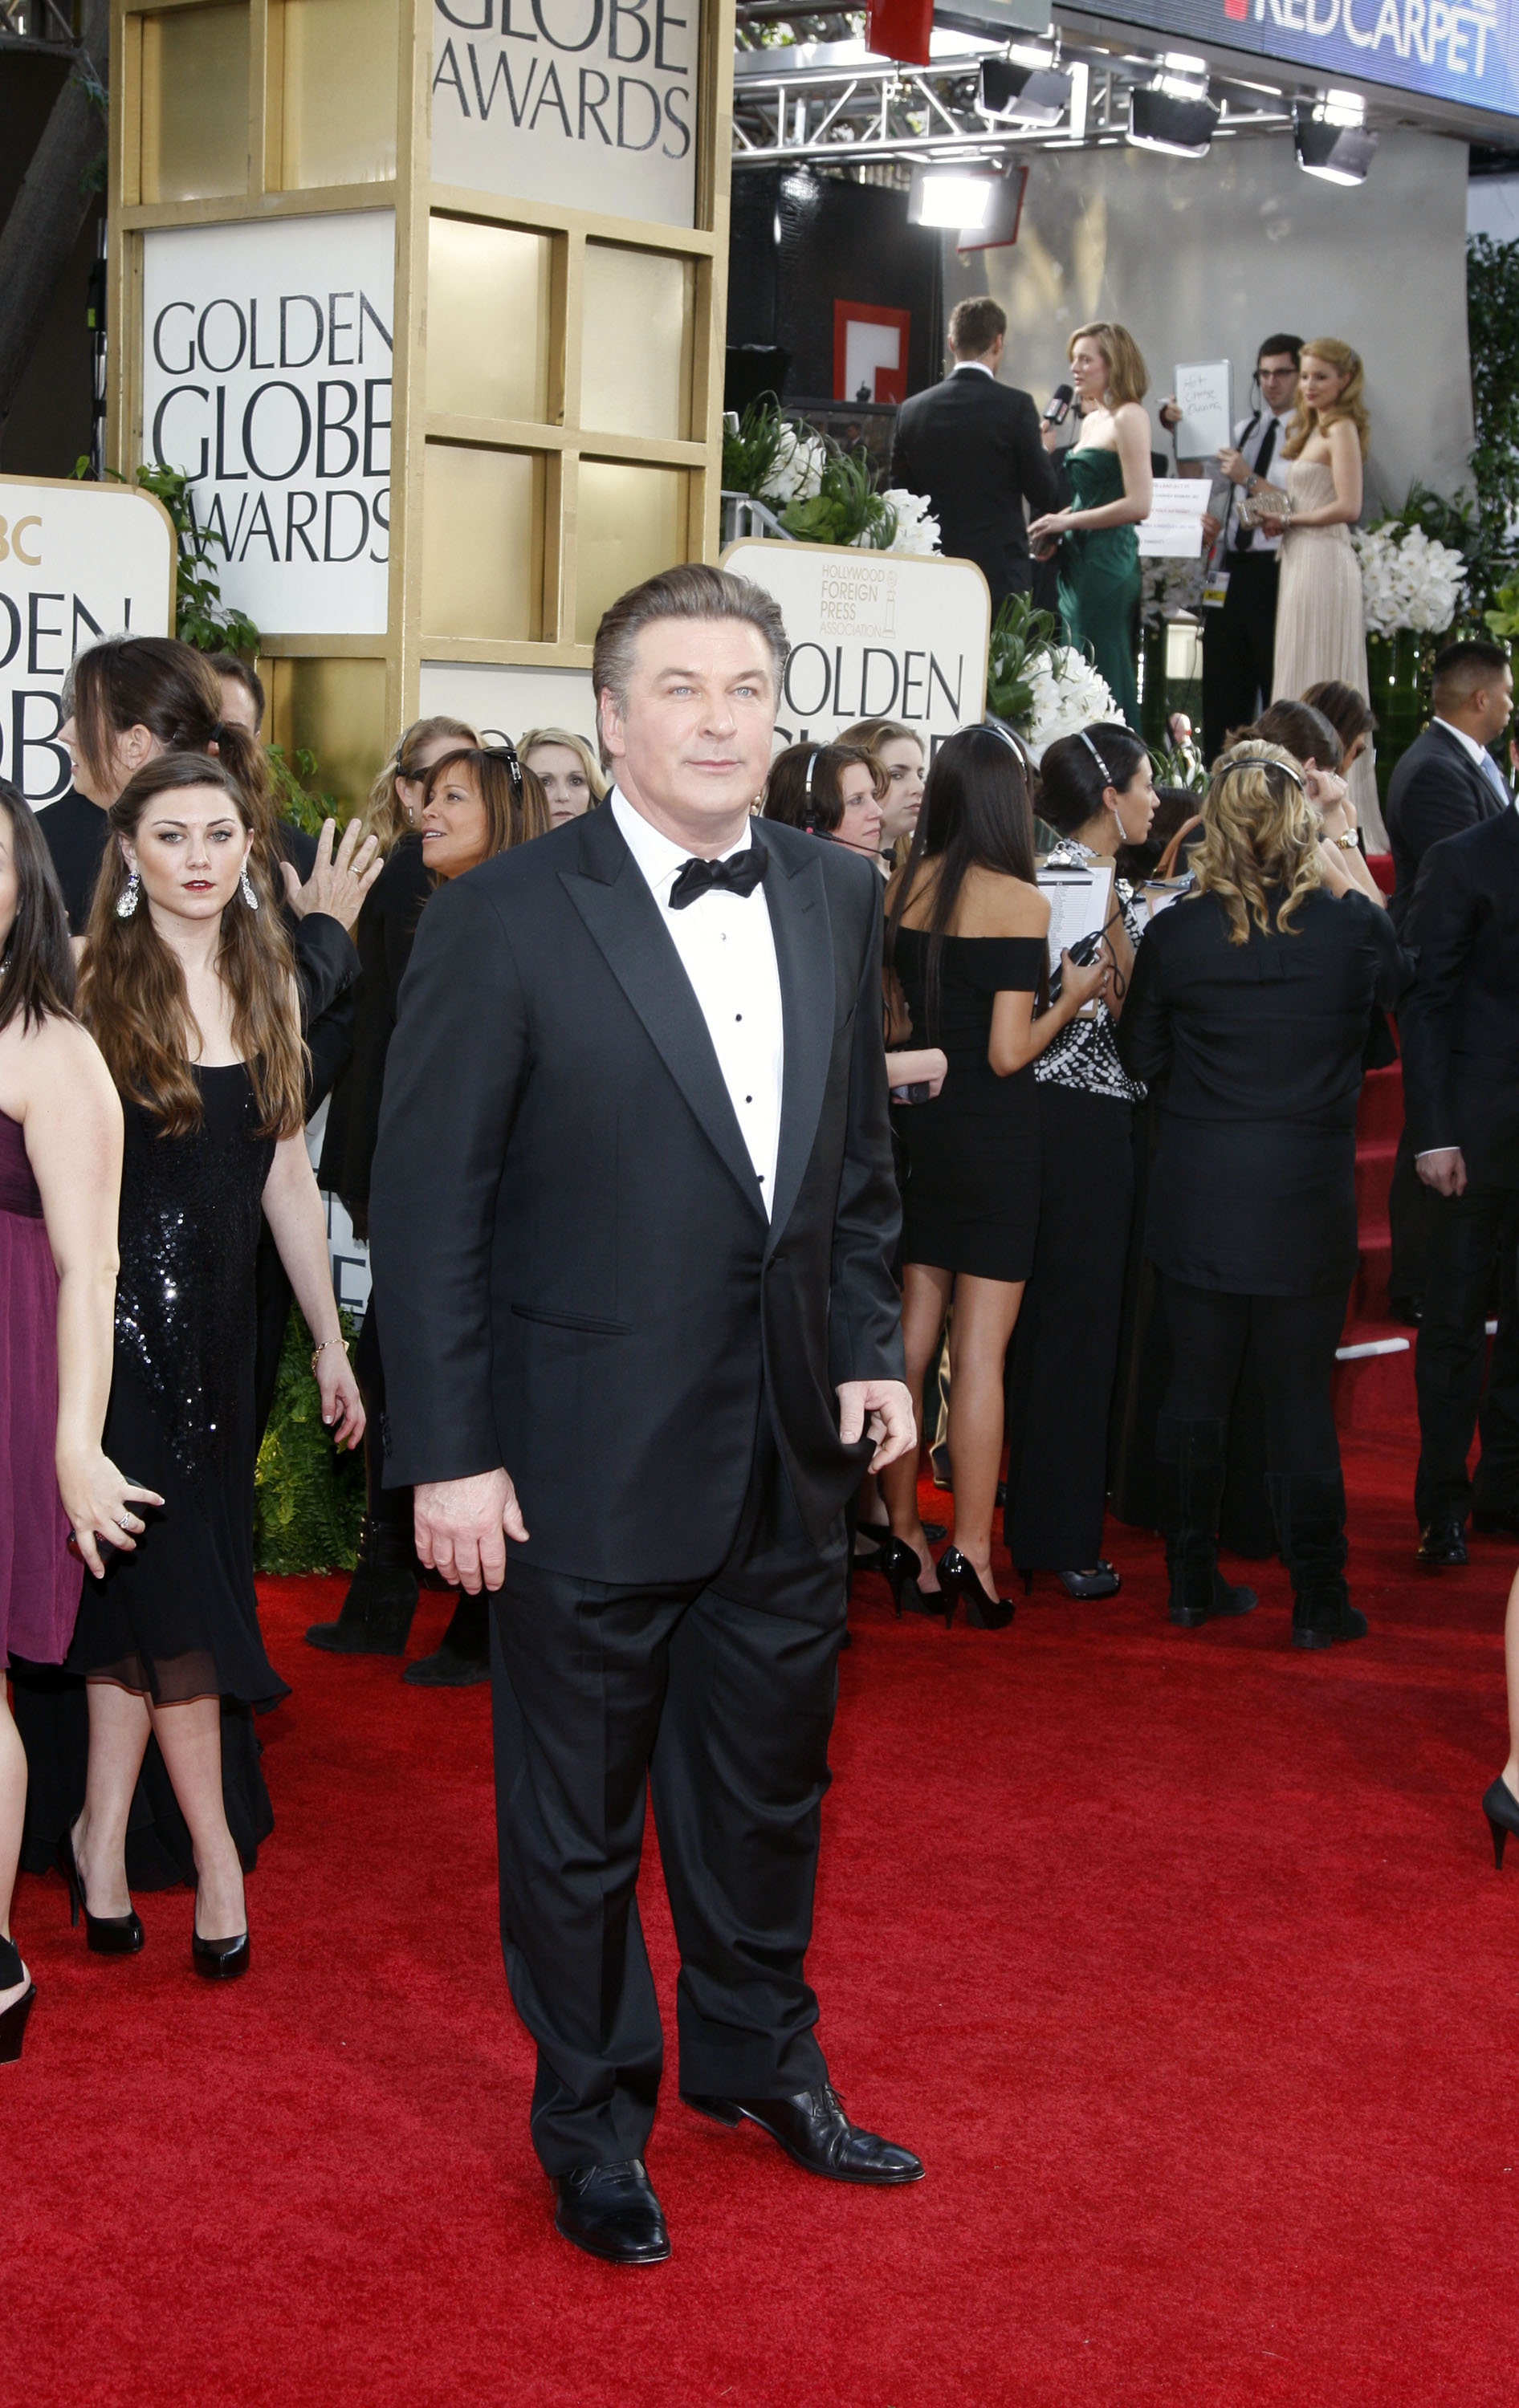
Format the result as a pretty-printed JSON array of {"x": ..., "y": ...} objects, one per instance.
[
  {"x": 1100, "y": 578},
  {"x": 1112, "y": 486}
]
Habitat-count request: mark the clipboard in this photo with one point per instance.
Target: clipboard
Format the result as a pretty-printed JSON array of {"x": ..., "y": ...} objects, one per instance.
[{"x": 1080, "y": 900}]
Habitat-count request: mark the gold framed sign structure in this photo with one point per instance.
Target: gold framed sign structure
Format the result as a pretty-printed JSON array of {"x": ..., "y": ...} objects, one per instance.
[{"x": 428, "y": 298}]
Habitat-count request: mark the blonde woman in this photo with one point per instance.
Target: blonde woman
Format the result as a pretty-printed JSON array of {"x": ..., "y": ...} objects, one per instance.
[
  {"x": 395, "y": 797},
  {"x": 1111, "y": 479},
  {"x": 900, "y": 750},
  {"x": 1253, "y": 997},
  {"x": 566, "y": 768},
  {"x": 1319, "y": 627}
]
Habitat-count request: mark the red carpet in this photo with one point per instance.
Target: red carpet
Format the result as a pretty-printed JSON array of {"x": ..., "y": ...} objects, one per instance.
[{"x": 1180, "y": 1957}]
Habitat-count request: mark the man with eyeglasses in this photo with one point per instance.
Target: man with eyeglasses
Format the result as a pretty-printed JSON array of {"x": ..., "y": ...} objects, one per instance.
[{"x": 1239, "y": 636}]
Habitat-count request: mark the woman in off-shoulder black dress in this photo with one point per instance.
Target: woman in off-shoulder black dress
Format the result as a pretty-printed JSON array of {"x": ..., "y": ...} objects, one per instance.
[{"x": 966, "y": 945}]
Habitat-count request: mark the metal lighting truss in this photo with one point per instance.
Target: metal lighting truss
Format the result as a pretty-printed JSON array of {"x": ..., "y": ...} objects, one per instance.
[
  {"x": 45, "y": 25},
  {"x": 808, "y": 104}
]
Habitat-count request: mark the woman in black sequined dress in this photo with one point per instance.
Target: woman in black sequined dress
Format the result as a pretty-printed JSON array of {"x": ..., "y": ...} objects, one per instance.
[{"x": 188, "y": 990}]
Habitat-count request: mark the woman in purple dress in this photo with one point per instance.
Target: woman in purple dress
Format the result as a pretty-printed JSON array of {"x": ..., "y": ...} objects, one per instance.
[{"x": 59, "y": 1175}]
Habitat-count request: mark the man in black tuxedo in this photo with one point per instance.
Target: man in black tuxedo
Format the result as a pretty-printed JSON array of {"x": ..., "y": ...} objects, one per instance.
[
  {"x": 1446, "y": 781},
  {"x": 637, "y": 1100},
  {"x": 1460, "y": 1032},
  {"x": 973, "y": 447}
]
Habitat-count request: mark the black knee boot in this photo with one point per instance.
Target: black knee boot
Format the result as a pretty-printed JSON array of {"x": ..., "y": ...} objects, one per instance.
[
  {"x": 1190, "y": 1459},
  {"x": 464, "y": 1654},
  {"x": 376, "y": 1614},
  {"x": 1309, "y": 1510}
]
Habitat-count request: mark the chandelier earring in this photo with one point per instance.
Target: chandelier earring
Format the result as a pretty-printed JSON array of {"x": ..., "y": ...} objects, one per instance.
[
  {"x": 126, "y": 902},
  {"x": 247, "y": 885}
]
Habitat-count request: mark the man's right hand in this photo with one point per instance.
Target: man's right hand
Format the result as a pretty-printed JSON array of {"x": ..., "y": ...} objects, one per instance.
[
  {"x": 1444, "y": 1169},
  {"x": 462, "y": 1525}
]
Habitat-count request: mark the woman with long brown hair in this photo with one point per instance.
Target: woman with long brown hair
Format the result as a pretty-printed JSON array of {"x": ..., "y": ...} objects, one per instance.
[
  {"x": 188, "y": 988},
  {"x": 1320, "y": 619},
  {"x": 1253, "y": 999},
  {"x": 472, "y": 801}
]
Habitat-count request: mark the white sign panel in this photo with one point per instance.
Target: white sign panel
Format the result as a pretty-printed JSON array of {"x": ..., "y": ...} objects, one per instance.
[
  {"x": 1203, "y": 395},
  {"x": 76, "y": 562},
  {"x": 1173, "y": 530},
  {"x": 874, "y": 635},
  {"x": 267, "y": 376},
  {"x": 499, "y": 701},
  {"x": 588, "y": 103}
]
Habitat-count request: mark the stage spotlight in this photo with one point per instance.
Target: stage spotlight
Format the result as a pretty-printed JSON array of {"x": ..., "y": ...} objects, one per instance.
[
  {"x": 1029, "y": 94},
  {"x": 1332, "y": 138},
  {"x": 951, "y": 196},
  {"x": 1174, "y": 113}
]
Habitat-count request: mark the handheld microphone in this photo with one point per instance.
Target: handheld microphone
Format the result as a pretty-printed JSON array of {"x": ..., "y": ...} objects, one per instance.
[{"x": 1059, "y": 407}]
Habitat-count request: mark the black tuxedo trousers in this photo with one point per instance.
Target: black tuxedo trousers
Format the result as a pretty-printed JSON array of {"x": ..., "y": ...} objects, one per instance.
[{"x": 722, "y": 1691}]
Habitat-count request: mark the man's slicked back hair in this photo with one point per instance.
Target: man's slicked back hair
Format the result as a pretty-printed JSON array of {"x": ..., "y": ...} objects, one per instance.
[{"x": 694, "y": 592}]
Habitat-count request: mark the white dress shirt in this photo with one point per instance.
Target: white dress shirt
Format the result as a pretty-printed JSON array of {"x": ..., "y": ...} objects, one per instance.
[
  {"x": 1483, "y": 758},
  {"x": 979, "y": 367},
  {"x": 727, "y": 951}
]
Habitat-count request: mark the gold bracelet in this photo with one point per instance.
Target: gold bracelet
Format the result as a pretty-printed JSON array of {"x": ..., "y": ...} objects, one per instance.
[{"x": 322, "y": 1348}]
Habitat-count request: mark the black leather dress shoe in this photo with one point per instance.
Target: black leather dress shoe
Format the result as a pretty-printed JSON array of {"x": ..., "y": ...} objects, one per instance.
[
  {"x": 1442, "y": 1542},
  {"x": 813, "y": 2128},
  {"x": 611, "y": 2213}
]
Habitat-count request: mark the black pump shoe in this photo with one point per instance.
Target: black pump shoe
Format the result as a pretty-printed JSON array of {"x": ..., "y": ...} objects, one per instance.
[
  {"x": 13, "y": 2021},
  {"x": 958, "y": 1580},
  {"x": 1103, "y": 1580},
  {"x": 899, "y": 1564},
  {"x": 219, "y": 1960},
  {"x": 107, "y": 1935},
  {"x": 1501, "y": 1808}
]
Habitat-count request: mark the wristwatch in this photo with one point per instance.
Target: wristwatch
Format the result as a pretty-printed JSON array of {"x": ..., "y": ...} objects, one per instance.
[{"x": 1349, "y": 842}]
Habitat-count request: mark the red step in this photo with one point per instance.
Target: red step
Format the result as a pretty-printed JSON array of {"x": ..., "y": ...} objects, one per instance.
[{"x": 1373, "y": 1391}]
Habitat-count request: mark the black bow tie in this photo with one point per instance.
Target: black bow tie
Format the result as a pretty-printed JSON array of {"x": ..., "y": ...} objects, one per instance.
[{"x": 739, "y": 874}]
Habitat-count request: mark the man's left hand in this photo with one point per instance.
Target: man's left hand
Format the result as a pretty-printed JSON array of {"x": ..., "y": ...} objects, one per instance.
[{"x": 880, "y": 1410}]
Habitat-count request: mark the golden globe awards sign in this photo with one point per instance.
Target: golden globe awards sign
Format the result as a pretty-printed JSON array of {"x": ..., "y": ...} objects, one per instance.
[
  {"x": 266, "y": 370},
  {"x": 588, "y": 103},
  {"x": 874, "y": 635},
  {"x": 76, "y": 561}
]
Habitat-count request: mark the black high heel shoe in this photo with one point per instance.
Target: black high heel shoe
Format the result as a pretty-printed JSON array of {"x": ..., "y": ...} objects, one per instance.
[
  {"x": 899, "y": 1563},
  {"x": 108, "y": 1935},
  {"x": 1501, "y": 1808},
  {"x": 13, "y": 2022},
  {"x": 958, "y": 1580},
  {"x": 219, "y": 1960}
]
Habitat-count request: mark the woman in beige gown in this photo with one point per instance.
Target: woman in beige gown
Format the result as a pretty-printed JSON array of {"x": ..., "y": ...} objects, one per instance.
[{"x": 1320, "y": 626}]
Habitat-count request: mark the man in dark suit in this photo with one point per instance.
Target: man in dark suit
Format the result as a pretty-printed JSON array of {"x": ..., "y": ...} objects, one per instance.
[
  {"x": 973, "y": 447},
  {"x": 1446, "y": 781},
  {"x": 1460, "y": 1034},
  {"x": 637, "y": 1096}
]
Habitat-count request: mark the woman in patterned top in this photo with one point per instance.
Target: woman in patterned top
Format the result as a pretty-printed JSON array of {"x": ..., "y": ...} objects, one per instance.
[{"x": 1097, "y": 791}]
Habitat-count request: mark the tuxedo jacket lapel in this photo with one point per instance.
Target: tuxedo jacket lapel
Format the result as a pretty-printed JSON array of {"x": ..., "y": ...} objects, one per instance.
[
  {"x": 612, "y": 897},
  {"x": 794, "y": 893}
]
